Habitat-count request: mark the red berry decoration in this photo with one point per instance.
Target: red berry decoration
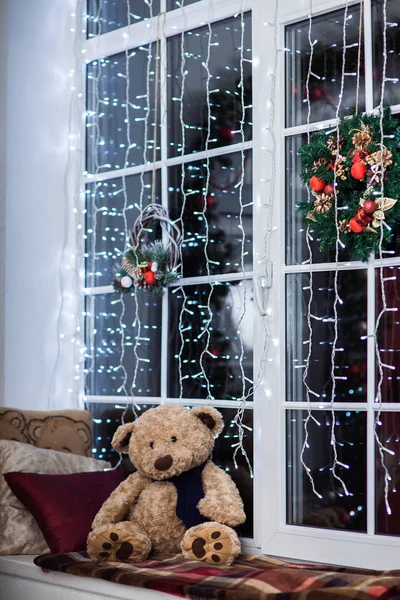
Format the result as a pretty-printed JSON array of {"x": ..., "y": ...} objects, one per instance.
[
  {"x": 150, "y": 278},
  {"x": 358, "y": 170},
  {"x": 328, "y": 189},
  {"x": 354, "y": 226},
  {"x": 317, "y": 184},
  {"x": 358, "y": 157},
  {"x": 369, "y": 207}
]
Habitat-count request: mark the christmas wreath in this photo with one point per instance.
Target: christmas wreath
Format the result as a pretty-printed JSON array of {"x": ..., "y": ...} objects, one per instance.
[
  {"x": 149, "y": 267},
  {"x": 366, "y": 174}
]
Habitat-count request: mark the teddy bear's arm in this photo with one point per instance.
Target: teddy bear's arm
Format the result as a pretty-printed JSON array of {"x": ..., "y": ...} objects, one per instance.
[
  {"x": 222, "y": 501},
  {"x": 117, "y": 506}
]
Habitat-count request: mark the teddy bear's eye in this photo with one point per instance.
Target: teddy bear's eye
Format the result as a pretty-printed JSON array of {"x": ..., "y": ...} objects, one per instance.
[
  {"x": 151, "y": 445},
  {"x": 173, "y": 438}
]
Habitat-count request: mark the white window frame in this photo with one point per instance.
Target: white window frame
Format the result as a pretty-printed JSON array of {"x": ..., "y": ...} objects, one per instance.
[
  {"x": 271, "y": 533},
  {"x": 308, "y": 543}
]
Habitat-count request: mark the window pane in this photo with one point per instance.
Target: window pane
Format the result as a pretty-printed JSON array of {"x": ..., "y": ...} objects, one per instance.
[
  {"x": 351, "y": 355},
  {"x": 389, "y": 333},
  {"x": 327, "y": 31},
  {"x": 389, "y": 434},
  {"x": 296, "y": 247},
  {"x": 105, "y": 377},
  {"x": 334, "y": 510},
  {"x": 106, "y": 15},
  {"x": 225, "y": 99},
  {"x": 107, "y": 126},
  {"x": 107, "y": 417},
  {"x": 223, "y": 214},
  {"x": 392, "y": 88},
  {"x": 105, "y": 228},
  {"x": 229, "y": 302}
]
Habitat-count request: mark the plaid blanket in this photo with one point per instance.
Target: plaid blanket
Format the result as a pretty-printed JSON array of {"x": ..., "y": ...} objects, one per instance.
[{"x": 250, "y": 578}]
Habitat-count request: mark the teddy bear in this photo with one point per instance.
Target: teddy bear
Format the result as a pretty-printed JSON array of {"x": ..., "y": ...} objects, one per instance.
[{"x": 178, "y": 499}]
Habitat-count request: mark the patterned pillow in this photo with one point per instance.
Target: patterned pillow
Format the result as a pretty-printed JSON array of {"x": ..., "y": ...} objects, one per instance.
[
  {"x": 62, "y": 430},
  {"x": 19, "y": 532}
]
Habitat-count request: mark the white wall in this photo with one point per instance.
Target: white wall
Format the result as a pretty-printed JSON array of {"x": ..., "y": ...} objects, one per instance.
[
  {"x": 40, "y": 54},
  {"x": 3, "y": 145}
]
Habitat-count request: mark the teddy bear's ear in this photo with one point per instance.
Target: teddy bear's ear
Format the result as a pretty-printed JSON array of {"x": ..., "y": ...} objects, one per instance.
[
  {"x": 210, "y": 417},
  {"x": 120, "y": 441}
]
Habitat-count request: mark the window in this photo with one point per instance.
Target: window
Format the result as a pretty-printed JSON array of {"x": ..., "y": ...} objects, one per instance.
[
  {"x": 234, "y": 187},
  {"x": 332, "y": 527},
  {"x": 157, "y": 75}
]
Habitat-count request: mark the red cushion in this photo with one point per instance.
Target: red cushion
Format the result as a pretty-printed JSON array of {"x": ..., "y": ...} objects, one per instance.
[{"x": 64, "y": 506}]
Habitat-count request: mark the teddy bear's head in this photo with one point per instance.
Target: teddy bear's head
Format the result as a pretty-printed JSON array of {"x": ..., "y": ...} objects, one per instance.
[{"x": 169, "y": 440}]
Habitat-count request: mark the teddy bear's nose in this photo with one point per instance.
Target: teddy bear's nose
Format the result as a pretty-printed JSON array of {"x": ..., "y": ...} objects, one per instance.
[{"x": 163, "y": 463}]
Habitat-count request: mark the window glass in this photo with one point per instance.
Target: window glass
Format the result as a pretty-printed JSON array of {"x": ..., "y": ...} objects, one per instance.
[
  {"x": 112, "y": 142},
  {"x": 225, "y": 218},
  {"x": 106, "y": 226},
  {"x": 351, "y": 354},
  {"x": 105, "y": 374},
  {"x": 232, "y": 312},
  {"x": 225, "y": 99},
  {"x": 106, "y": 15},
  {"x": 107, "y": 417},
  {"x": 335, "y": 510},
  {"x": 388, "y": 339},
  {"x": 327, "y": 33},
  {"x": 388, "y": 430},
  {"x": 392, "y": 88}
]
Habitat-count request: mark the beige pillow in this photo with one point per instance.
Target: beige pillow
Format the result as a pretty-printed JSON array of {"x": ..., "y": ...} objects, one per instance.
[
  {"x": 62, "y": 430},
  {"x": 19, "y": 532}
]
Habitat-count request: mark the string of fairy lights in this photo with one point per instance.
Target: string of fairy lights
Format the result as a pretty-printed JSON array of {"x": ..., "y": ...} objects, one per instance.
[
  {"x": 383, "y": 451},
  {"x": 130, "y": 360},
  {"x": 380, "y": 364},
  {"x": 122, "y": 321}
]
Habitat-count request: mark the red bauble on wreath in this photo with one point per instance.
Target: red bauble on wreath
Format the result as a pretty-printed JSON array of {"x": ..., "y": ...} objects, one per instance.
[
  {"x": 358, "y": 170},
  {"x": 328, "y": 189},
  {"x": 150, "y": 278},
  {"x": 317, "y": 184},
  {"x": 369, "y": 207}
]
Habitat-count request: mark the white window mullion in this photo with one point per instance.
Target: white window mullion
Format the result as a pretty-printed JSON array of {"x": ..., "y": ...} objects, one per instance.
[
  {"x": 164, "y": 191},
  {"x": 176, "y": 21},
  {"x": 371, "y": 299},
  {"x": 266, "y": 434},
  {"x": 371, "y": 475},
  {"x": 123, "y": 400},
  {"x": 168, "y": 162}
]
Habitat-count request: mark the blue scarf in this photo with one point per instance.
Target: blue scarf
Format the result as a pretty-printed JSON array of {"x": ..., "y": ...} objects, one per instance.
[{"x": 189, "y": 486}]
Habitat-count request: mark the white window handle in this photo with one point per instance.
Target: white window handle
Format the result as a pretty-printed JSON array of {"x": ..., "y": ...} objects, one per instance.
[{"x": 261, "y": 284}]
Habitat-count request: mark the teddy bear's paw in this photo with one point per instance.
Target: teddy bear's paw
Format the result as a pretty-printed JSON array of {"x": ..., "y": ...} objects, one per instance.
[
  {"x": 119, "y": 542},
  {"x": 212, "y": 543}
]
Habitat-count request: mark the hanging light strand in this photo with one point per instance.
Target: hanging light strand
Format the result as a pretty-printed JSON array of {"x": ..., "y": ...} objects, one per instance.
[
  {"x": 137, "y": 324},
  {"x": 238, "y": 420},
  {"x": 206, "y": 330},
  {"x": 308, "y": 390},
  {"x": 122, "y": 326},
  {"x": 336, "y": 463},
  {"x": 381, "y": 366},
  {"x": 181, "y": 323}
]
